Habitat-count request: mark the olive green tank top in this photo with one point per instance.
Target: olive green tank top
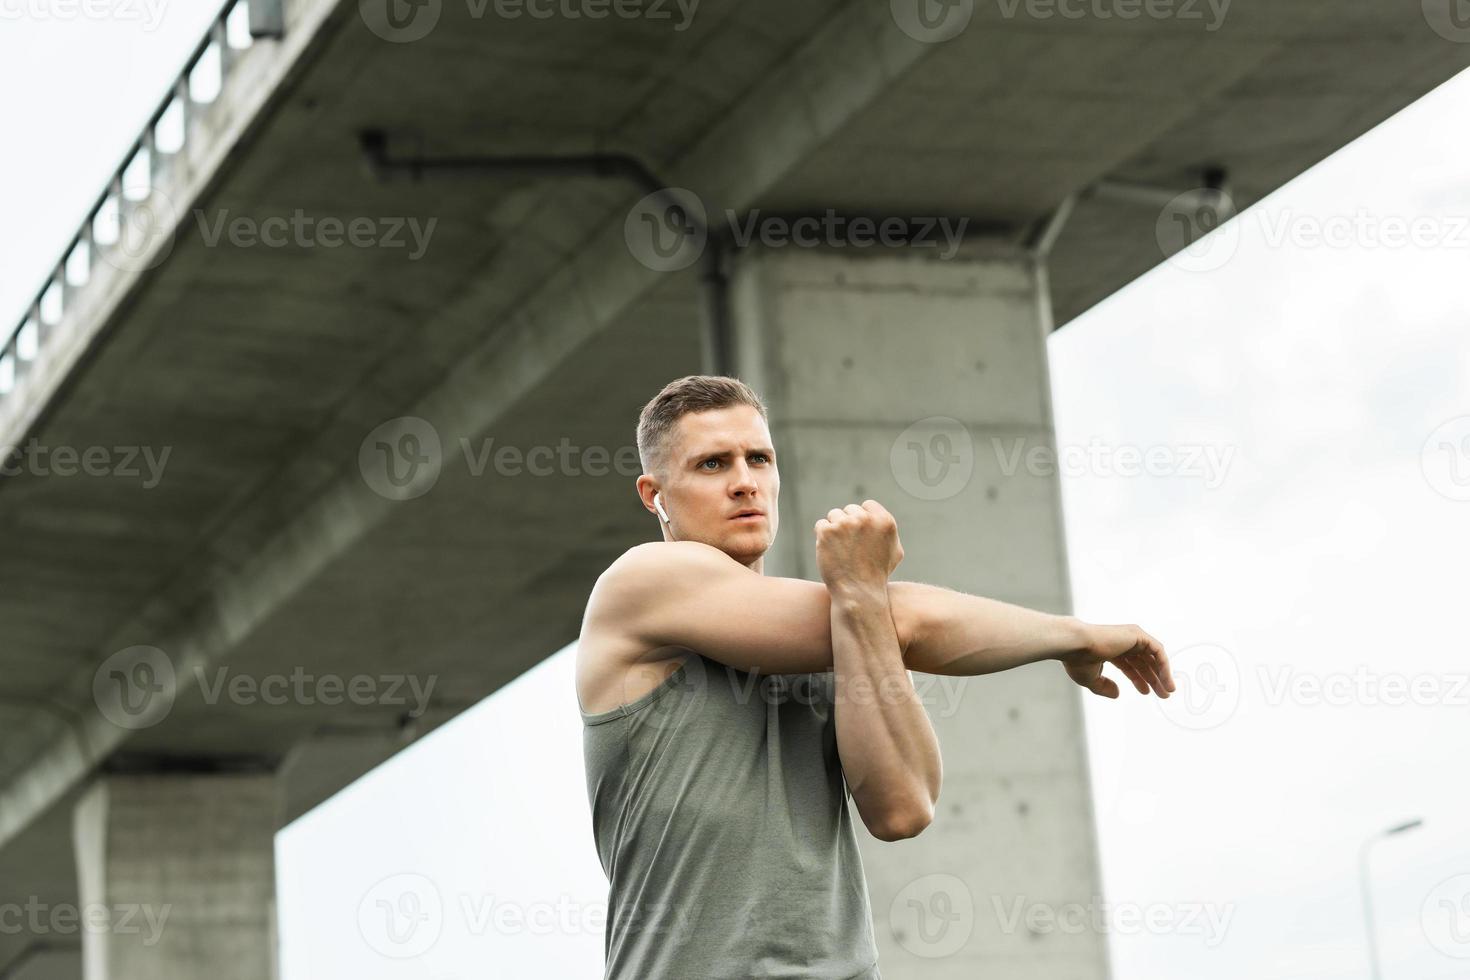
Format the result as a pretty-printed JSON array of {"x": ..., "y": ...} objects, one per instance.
[{"x": 719, "y": 812}]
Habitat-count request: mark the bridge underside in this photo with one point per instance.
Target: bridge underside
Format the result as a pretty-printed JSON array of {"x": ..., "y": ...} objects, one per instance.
[{"x": 527, "y": 319}]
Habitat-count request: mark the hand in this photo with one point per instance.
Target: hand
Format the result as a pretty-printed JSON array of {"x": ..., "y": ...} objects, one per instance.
[
  {"x": 1138, "y": 655},
  {"x": 858, "y": 545}
]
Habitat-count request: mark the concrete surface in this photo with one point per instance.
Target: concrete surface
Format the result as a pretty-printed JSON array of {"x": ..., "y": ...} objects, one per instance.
[{"x": 269, "y": 547}]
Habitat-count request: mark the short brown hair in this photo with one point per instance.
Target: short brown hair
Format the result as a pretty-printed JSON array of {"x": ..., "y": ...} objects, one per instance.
[{"x": 691, "y": 393}]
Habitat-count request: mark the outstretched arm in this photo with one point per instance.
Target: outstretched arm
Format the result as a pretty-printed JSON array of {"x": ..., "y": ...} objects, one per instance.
[
  {"x": 672, "y": 596},
  {"x": 958, "y": 634}
]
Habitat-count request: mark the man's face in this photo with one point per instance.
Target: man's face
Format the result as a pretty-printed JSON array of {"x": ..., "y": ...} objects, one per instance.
[{"x": 720, "y": 463}]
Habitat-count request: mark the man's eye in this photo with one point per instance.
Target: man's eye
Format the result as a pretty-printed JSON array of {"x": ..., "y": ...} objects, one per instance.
[{"x": 710, "y": 461}]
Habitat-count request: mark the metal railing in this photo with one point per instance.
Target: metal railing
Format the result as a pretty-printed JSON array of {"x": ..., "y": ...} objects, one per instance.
[{"x": 105, "y": 233}]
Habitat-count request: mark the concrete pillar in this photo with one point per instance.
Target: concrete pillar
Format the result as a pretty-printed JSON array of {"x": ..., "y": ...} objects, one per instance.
[
  {"x": 914, "y": 380},
  {"x": 185, "y": 864},
  {"x": 319, "y": 767}
]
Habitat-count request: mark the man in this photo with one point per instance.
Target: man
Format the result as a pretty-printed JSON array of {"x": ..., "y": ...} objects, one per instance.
[{"x": 728, "y": 715}]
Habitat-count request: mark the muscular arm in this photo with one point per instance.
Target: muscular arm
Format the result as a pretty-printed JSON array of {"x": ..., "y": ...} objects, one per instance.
[
  {"x": 684, "y": 595},
  {"x": 670, "y": 597},
  {"x": 958, "y": 634},
  {"x": 890, "y": 754}
]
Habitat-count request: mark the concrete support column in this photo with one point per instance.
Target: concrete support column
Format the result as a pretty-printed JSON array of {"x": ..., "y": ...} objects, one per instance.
[
  {"x": 186, "y": 865},
  {"x": 922, "y": 382},
  {"x": 319, "y": 767}
]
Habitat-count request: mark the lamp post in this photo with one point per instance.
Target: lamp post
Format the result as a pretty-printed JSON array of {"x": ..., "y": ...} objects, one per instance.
[{"x": 1367, "y": 888}]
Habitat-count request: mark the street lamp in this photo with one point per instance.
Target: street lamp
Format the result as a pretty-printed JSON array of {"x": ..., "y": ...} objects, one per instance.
[{"x": 1367, "y": 892}]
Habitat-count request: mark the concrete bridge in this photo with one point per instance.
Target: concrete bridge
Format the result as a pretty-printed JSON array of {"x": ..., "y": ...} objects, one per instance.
[{"x": 321, "y": 431}]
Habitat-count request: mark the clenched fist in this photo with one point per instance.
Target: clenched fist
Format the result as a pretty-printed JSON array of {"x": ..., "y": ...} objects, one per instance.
[{"x": 858, "y": 545}]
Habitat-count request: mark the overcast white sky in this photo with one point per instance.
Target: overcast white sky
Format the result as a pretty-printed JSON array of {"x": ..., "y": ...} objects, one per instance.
[{"x": 1333, "y": 378}]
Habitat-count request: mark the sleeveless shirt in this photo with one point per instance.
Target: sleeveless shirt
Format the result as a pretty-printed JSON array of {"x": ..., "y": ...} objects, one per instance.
[{"x": 719, "y": 813}]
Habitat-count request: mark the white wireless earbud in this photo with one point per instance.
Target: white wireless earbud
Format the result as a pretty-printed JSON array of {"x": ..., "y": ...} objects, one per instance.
[{"x": 658, "y": 505}]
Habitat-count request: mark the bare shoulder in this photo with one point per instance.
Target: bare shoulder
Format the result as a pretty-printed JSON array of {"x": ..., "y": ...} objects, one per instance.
[{"x": 614, "y": 664}]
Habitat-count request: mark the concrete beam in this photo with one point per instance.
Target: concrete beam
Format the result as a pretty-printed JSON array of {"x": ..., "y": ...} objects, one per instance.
[{"x": 834, "y": 75}]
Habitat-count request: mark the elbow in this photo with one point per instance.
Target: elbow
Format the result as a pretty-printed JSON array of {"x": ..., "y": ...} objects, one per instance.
[{"x": 902, "y": 824}]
